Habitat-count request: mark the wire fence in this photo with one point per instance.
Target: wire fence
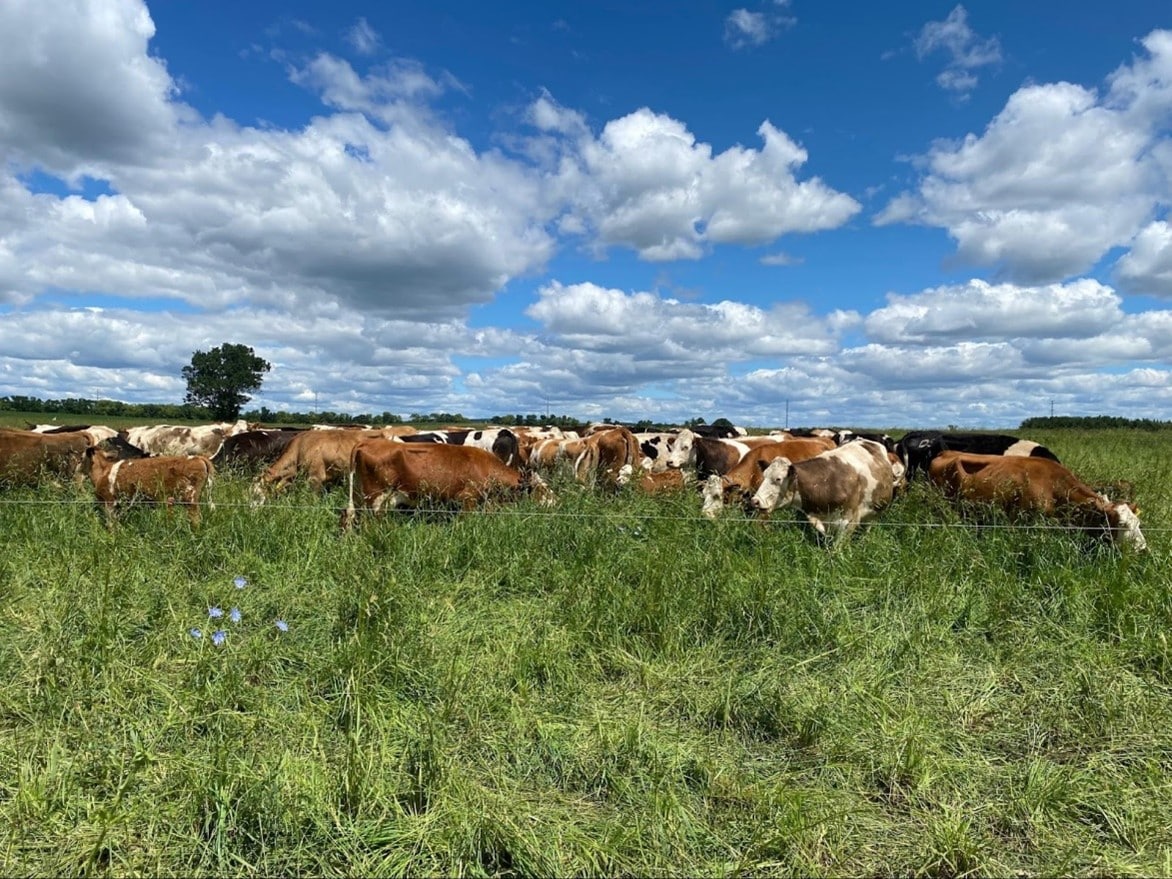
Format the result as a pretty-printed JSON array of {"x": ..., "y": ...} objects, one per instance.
[{"x": 273, "y": 506}]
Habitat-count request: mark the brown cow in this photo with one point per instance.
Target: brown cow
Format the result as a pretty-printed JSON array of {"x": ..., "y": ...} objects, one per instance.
[
  {"x": 655, "y": 482},
  {"x": 170, "y": 479},
  {"x": 323, "y": 456},
  {"x": 743, "y": 480},
  {"x": 383, "y": 472},
  {"x": 27, "y": 457},
  {"x": 1034, "y": 485}
]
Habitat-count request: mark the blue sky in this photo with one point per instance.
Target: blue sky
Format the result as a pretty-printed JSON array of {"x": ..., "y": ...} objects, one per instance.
[{"x": 915, "y": 216}]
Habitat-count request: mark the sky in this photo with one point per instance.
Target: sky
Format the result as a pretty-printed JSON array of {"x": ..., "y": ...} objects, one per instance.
[{"x": 786, "y": 212}]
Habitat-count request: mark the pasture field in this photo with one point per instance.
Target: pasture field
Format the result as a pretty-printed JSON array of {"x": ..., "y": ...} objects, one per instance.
[{"x": 615, "y": 686}]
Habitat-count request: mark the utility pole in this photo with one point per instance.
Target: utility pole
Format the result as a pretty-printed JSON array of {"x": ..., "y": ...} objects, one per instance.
[
  {"x": 315, "y": 402},
  {"x": 787, "y": 414},
  {"x": 1051, "y": 407}
]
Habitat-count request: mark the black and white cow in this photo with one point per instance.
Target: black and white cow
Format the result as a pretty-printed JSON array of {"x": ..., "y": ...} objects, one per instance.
[{"x": 918, "y": 447}]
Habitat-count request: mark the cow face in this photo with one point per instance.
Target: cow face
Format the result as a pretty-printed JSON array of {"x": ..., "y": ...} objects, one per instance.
[
  {"x": 682, "y": 450},
  {"x": 776, "y": 486},
  {"x": 713, "y": 496},
  {"x": 1125, "y": 526}
]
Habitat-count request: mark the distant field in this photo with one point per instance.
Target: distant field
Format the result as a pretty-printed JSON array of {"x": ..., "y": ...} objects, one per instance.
[{"x": 613, "y": 687}]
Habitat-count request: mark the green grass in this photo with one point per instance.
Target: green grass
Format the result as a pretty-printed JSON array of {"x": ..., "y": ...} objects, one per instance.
[{"x": 614, "y": 687}]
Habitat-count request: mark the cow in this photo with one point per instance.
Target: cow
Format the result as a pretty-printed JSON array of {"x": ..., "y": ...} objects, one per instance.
[
  {"x": 387, "y": 473},
  {"x": 172, "y": 439},
  {"x": 501, "y": 441},
  {"x": 654, "y": 449},
  {"x": 654, "y": 482},
  {"x": 744, "y": 478},
  {"x": 27, "y": 457},
  {"x": 836, "y": 490},
  {"x": 95, "y": 432},
  {"x": 919, "y": 447},
  {"x": 1033, "y": 485},
  {"x": 323, "y": 456},
  {"x": 721, "y": 428},
  {"x": 249, "y": 451},
  {"x": 718, "y": 456},
  {"x": 169, "y": 479},
  {"x": 605, "y": 453}
]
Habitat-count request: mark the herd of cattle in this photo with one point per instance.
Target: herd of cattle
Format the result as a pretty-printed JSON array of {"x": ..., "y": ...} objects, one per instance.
[{"x": 837, "y": 479}]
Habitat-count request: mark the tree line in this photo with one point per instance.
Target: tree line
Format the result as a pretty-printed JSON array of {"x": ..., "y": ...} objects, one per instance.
[{"x": 1094, "y": 422}]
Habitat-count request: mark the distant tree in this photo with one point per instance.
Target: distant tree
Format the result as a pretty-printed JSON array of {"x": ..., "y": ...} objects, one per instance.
[{"x": 218, "y": 379}]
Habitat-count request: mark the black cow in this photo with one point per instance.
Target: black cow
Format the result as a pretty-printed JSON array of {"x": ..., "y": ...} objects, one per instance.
[{"x": 918, "y": 447}]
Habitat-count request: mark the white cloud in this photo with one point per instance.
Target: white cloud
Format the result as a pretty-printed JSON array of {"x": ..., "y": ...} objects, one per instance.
[
  {"x": 363, "y": 38},
  {"x": 1058, "y": 178},
  {"x": 646, "y": 183},
  {"x": 744, "y": 28},
  {"x": 1147, "y": 267},
  {"x": 966, "y": 50}
]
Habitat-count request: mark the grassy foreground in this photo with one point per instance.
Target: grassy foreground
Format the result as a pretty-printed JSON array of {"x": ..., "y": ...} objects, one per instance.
[{"x": 616, "y": 687}]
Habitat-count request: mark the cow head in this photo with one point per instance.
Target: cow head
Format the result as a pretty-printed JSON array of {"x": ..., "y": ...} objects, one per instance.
[
  {"x": 538, "y": 490},
  {"x": 1124, "y": 521},
  {"x": 683, "y": 450},
  {"x": 777, "y": 486}
]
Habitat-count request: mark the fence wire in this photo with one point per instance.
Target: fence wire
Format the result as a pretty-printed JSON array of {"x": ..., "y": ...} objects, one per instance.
[{"x": 553, "y": 514}]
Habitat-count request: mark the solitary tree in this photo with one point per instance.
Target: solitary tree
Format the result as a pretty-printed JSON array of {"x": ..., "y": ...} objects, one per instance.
[{"x": 217, "y": 379}]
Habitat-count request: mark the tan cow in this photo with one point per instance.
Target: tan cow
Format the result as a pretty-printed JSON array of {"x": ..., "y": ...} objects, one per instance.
[
  {"x": 27, "y": 457},
  {"x": 167, "y": 479},
  {"x": 322, "y": 456},
  {"x": 1035, "y": 485},
  {"x": 387, "y": 473}
]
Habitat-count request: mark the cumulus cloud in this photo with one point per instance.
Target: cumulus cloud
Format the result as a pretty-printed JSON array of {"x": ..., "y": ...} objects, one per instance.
[
  {"x": 966, "y": 51},
  {"x": 646, "y": 183},
  {"x": 1059, "y": 177},
  {"x": 57, "y": 112},
  {"x": 1147, "y": 267}
]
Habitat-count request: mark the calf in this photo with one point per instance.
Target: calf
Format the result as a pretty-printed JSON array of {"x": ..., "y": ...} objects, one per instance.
[
  {"x": 1034, "y": 485},
  {"x": 167, "y": 479},
  {"x": 836, "y": 490},
  {"x": 397, "y": 474},
  {"x": 654, "y": 482}
]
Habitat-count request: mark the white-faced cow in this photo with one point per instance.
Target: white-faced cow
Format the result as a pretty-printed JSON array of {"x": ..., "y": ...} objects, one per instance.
[
  {"x": 1035, "y": 486},
  {"x": 743, "y": 479},
  {"x": 836, "y": 490},
  {"x": 918, "y": 447}
]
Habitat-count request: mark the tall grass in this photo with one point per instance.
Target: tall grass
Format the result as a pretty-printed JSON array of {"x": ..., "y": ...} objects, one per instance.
[{"x": 614, "y": 687}]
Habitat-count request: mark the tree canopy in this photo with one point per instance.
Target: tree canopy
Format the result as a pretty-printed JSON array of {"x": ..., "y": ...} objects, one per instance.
[{"x": 218, "y": 379}]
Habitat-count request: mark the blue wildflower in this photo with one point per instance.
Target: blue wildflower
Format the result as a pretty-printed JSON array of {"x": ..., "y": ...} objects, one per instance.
[
  {"x": 219, "y": 637},
  {"x": 240, "y": 582},
  {"x": 215, "y": 613},
  {"x": 195, "y": 633},
  {"x": 282, "y": 626},
  {"x": 234, "y": 614}
]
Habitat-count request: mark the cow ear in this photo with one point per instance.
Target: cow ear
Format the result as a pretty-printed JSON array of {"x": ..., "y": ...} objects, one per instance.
[{"x": 763, "y": 465}]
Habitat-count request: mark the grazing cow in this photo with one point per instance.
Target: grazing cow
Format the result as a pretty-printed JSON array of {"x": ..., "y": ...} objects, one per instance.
[
  {"x": 27, "y": 457},
  {"x": 919, "y": 447},
  {"x": 744, "y": 478},
  {"x": 606, "y": 452},
  {"x": 836, "y": 490},
  {"x": 1034, "y": 485},
  {"x": 385, "y": 473},
  {"x": 501, "y": 441},
  {"x": 654, "y": 449},
  {"x": 323, "y": 456},
  {"x": 168, "y": 479},
  {"x": 95, "y": 432},
  {"x": 721, "y": 428},
  {"x": 654, "y": 482},
  {"x": 171, "y": 439},
  {"x": 718, "y": 456},
  {"x": 249, "y": 451}
]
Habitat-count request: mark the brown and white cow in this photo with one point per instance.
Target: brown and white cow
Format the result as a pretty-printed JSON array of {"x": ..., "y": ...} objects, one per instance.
[
  {"x": 174, "y": 439},
  {"x": 744, "y": 478},
  {"x": 168, "y": 479},
  {"x": 386, "y": 473},
  {"x": 654, "y": 482},
  {"x": 709, "y": 456},
  {"x": 1035, "y": 485},
  {"x": 836, "y": 490}
]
